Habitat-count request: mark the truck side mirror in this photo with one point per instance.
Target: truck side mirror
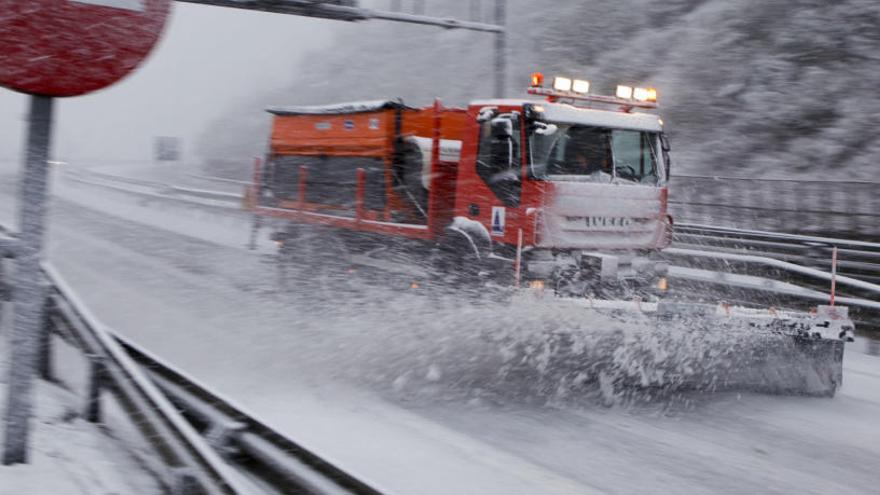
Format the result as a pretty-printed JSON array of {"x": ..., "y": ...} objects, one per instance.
[
  {"x": 499, "y": 161},
  {"x": 487, "y": 113},
  {"x": 502, "y": 142},
  {"x": 502, "y": 128},
  {"x": 664, "y": 142},
  {"x": 664, "y": 145},
  {"x": 543, "y": 128},
  {"x": 532, "y": 112}
]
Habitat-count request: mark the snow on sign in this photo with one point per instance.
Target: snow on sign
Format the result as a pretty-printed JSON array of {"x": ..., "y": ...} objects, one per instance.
[{"x": 73, "y": 47}]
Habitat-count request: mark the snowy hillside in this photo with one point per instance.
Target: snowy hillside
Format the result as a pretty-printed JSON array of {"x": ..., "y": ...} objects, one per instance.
[{"x": 748, "y": 88}]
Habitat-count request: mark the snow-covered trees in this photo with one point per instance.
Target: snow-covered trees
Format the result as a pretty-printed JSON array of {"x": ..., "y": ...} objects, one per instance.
[{"x": 757, "y": 87}]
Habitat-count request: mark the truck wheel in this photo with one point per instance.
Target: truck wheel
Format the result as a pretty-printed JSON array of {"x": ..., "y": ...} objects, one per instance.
[{"x": 457, "y": 258}]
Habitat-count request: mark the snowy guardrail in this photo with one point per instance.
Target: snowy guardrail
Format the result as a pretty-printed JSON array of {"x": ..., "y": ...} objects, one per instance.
[
  {"x": 208, "y": 444},
  {"x": 231, "y": 429},
  {"x": 149, "y": 189},
  {"x": 189, "y": 457},
  {"x": 857, "y": 259},
  {"x": 789, "y": 267}
]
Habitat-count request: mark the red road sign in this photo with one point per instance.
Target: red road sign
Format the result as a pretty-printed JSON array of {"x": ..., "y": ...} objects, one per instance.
[{"x": 72, "y": 47}]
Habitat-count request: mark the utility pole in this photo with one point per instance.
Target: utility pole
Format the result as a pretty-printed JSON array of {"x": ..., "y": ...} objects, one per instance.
[{"x": 500, "y": 48}]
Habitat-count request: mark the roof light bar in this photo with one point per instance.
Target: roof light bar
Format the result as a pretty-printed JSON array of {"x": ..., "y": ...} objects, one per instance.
[
  {"x": 637, "y": 94},
  {"x": 624, "y": 92},
  {"x": 562, "y": 83},
  {"x": 627, "y": 97},
  {"x": 580, "y": 86}
]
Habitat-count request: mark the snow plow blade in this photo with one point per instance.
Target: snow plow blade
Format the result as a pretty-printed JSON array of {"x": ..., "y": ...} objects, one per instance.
[{"x": 659, "y": 349}]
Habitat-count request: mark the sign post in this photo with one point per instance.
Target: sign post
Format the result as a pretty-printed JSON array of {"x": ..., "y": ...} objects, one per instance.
[
  {"x": 28, "y": 294},
  {"x": 48, "y": 49}
]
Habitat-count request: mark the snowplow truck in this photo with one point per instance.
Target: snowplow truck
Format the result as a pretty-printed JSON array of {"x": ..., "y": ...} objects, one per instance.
[
  {"x": 533, "y": 192},
  {"x": 565, "y": 194}
]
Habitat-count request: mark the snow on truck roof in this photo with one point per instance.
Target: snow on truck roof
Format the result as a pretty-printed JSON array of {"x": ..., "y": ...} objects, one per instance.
[
  {"x": 338, "y": 108},
  {"x": 553, "y": 112},
  {"x": 570, "y": 114}
]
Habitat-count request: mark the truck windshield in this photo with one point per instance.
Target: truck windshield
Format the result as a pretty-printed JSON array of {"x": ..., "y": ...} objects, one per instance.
[{"x": 596, "y": 154}]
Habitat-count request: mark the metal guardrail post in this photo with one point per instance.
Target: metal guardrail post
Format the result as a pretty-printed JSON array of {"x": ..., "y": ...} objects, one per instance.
[
  {"x": 184, "y": 482},
  {"x": 44, "y": 352},
  {"x": 28, "y": 283},
  {"x": 93, "y": 399}
]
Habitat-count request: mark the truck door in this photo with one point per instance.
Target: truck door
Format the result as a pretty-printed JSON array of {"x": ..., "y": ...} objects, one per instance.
[{"x": 499, "y": 156}]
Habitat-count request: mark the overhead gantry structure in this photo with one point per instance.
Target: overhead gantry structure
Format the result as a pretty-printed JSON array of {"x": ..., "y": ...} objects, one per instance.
[{"x": 350, "y": 11}]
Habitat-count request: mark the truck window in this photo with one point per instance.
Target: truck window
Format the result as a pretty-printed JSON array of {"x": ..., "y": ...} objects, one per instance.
[
  {"x": 407, "y": 179},
  {"x": 634, "y": 154},
  {"x": 595, "y": 154},
  {"x": 330, "y": 180},
  {"x": 498, "y": 158}
]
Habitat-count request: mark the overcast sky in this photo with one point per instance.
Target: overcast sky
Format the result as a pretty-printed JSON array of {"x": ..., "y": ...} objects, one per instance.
[{"x": 209, "y": 59}]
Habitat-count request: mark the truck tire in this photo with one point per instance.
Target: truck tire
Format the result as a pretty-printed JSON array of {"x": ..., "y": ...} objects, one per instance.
[{"x": 457, "y": 257}]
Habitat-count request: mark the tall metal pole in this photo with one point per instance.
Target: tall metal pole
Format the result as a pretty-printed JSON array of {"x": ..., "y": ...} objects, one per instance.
[
  {"x": 28, "y": 292},
  {"x": 833, "y": 275},
  {"x": 500, "y": 48}
]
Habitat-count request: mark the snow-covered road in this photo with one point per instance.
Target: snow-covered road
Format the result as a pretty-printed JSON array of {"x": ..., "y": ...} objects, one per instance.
[{"x": 180, "y": 282}]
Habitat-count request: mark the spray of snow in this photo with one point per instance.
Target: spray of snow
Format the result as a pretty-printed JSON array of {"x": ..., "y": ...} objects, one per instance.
[{"x": 399, "y": 327}]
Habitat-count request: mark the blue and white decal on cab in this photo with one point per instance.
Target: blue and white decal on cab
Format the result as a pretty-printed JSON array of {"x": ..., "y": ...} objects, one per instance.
[{"x": 498, "y": 213}]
